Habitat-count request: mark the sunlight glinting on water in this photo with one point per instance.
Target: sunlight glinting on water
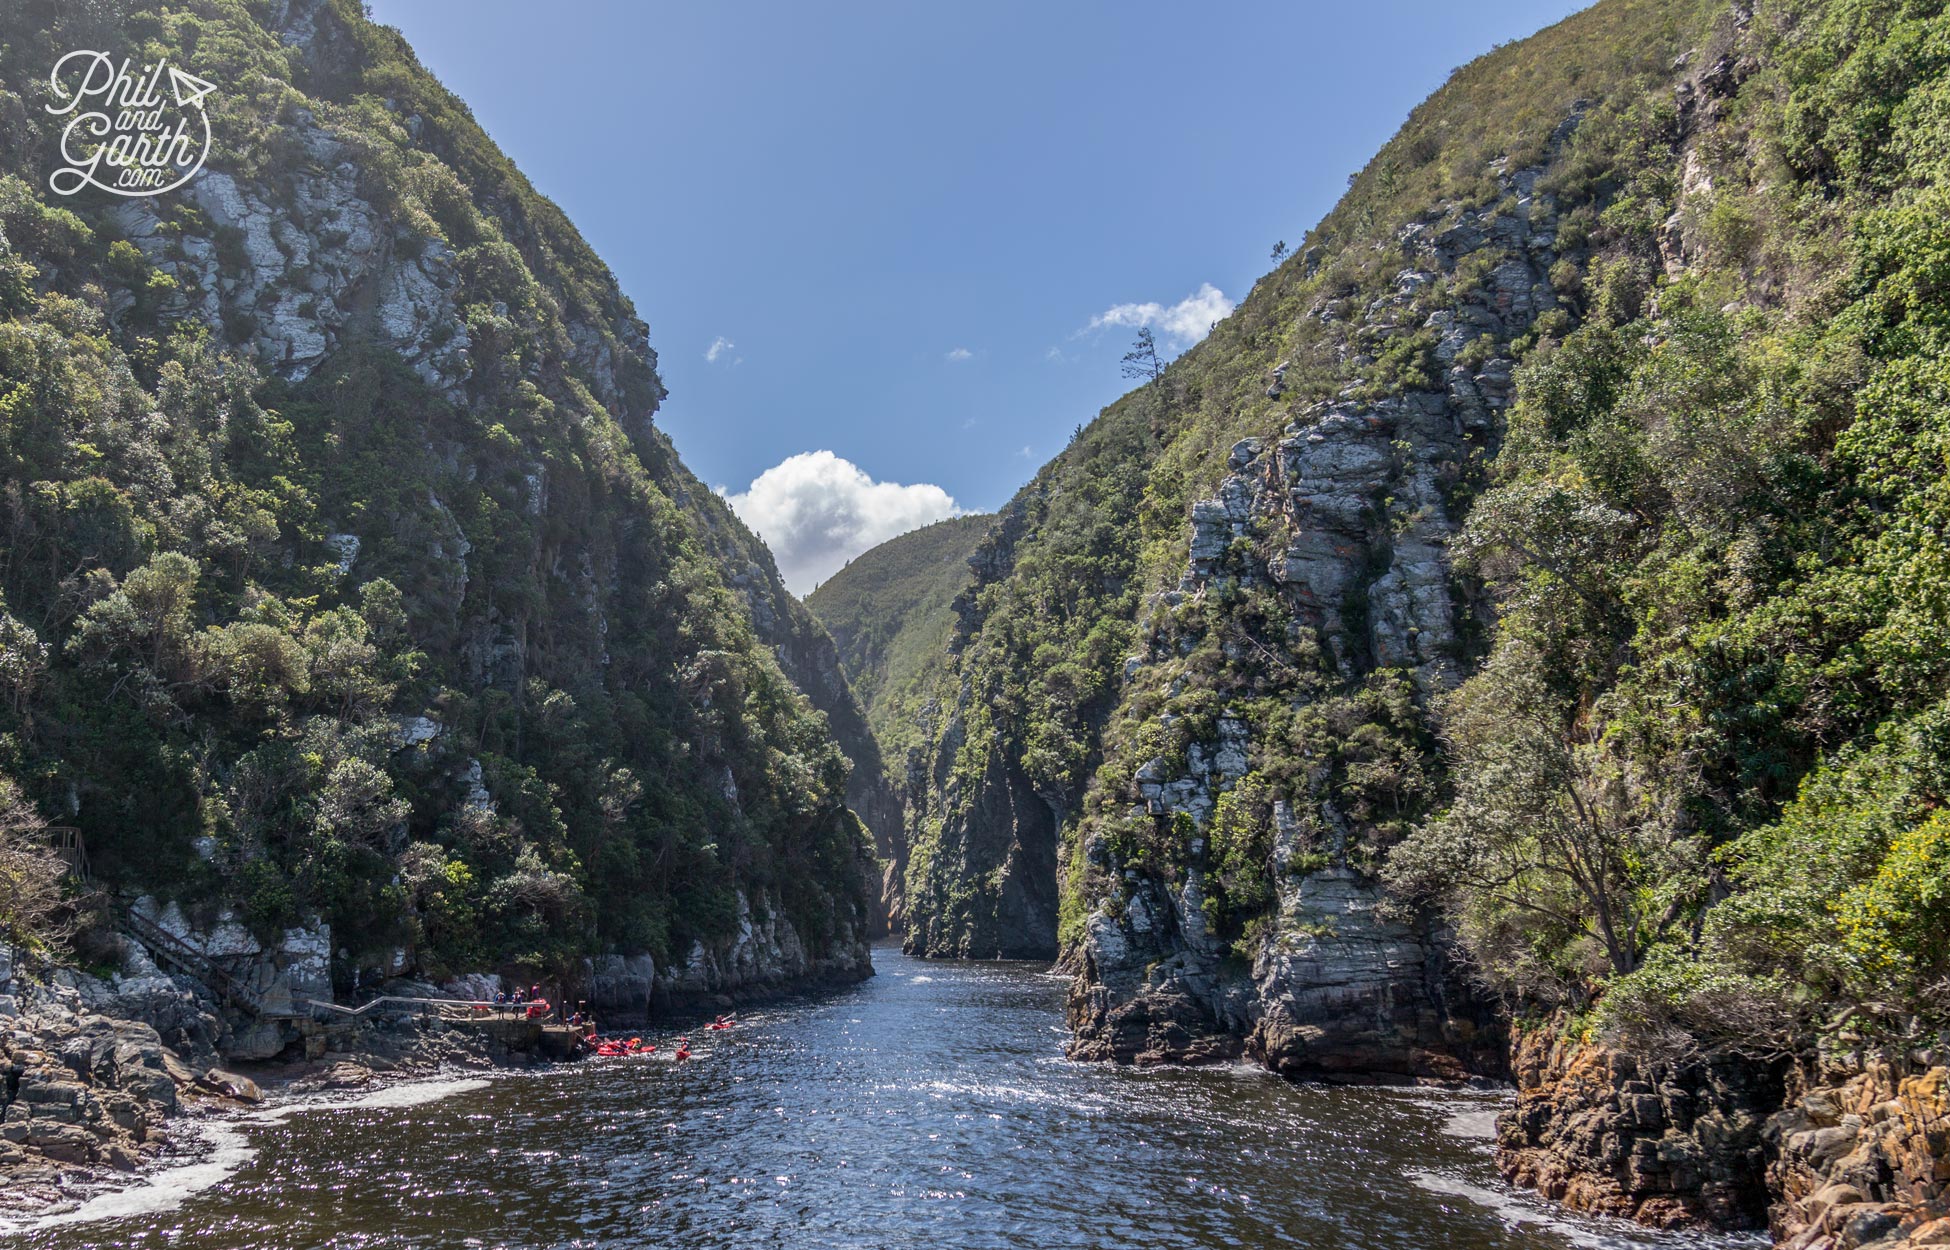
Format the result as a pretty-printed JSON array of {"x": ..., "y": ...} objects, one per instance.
[{"x": 921, "y": 1109}]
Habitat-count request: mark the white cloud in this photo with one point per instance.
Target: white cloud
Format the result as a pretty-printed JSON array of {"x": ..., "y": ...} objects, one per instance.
[
  {"x": 719, "y": 346},
  {"x": 1180, "y": 325},
  {"x": 961, "y": 354},
  {"x": 816, "y": 511}
]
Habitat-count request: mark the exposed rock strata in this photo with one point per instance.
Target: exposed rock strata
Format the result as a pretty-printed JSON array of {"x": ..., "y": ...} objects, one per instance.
[
  {"x": 1853, "y": 1154},
  {"x": 1861, "y": 1155},
  {"x": 1671, "y": 1144},
  {"x": 1344, "y": 518}
]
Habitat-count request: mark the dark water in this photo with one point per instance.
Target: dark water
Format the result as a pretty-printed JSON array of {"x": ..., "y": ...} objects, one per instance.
[{"x": 930, "y": 1107}]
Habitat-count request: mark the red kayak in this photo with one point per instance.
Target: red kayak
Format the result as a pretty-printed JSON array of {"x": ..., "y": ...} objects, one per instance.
[{"x": 635, "y": 1046}]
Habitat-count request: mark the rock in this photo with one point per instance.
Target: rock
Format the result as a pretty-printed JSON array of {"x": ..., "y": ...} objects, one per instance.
[
  {"x": 345, "y": 1075},
  {"x": 1872, "y": 1143},
  {"x": 1667, "y": 1144},
  {"x": 231, "y": 1085},
  {"x": 1831, "y": 1196},
  {"x": 66, "y": 1143},
  {"x": 622, "y": 986}
]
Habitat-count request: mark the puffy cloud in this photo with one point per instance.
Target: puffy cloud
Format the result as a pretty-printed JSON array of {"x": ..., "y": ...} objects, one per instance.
[
  {"x": 960, "y": 354},
  {"x": 816, "y": 511},
  {"x": 1180, "y": 325},
  {"x": 719, "y": 346}
]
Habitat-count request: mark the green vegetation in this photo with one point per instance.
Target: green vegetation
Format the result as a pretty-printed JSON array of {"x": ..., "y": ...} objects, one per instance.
[
  {"x": 1071, "y": 585},
  {"x": 890, "y": 611},
  {"x": 524, "y": 719},
  {"x": 1717, "y": 533},
  {"x": 1695, "y": 774}
]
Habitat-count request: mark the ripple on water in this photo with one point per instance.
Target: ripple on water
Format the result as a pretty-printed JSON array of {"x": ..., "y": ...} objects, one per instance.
[{"x": 929, "y": 1107}]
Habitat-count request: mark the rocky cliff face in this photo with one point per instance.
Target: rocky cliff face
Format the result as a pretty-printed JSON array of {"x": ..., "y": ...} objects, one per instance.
[
  {"x": 763, "y": 954},
  {"x": 1844, "y": 1153},
  {"x": 890, "y": 611},
  {"x": 1672, "y": 1144},
  {"x": 1337, "y": 529},
  {"x": 86, "y": 1079},
  {"x": 1860, "y": 1155},
  {"x": 1001, "y": 833},
  {"x": 806, "y": 652},
  {"x": 984, "y": 886}
]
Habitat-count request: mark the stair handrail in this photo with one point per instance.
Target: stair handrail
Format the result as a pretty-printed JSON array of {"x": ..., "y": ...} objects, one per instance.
[{"x": 193, "y": 961}]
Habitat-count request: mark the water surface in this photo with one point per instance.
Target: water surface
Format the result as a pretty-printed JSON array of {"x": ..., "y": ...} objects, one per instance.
[{"x": 929, "y": 1107}]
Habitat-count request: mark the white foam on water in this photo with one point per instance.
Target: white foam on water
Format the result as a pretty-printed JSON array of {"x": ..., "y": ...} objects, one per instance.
[
  {"x": 1514, "y": 1212},
  {"x": 405, "y": 1094},
  {"x": 224, "y": 1150},
  {"x": 165, "y": 1190},
  {"x": 1475, "y": 1123},
  {"x": 1608, "y": 1235}
]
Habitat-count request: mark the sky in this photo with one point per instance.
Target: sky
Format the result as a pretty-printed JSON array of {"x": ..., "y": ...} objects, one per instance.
[{"x": 891, "y": 254}]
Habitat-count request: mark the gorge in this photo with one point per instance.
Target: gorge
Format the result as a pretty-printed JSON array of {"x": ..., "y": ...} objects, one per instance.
[{"x": 1509, "y": 647}]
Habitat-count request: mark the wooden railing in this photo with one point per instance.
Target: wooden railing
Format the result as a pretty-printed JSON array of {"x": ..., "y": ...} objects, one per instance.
[{"x": 66, "y": 841}]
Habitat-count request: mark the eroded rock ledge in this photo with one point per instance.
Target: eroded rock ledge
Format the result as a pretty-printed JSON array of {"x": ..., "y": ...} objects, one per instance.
[{"x": 1852, "y": 1152}]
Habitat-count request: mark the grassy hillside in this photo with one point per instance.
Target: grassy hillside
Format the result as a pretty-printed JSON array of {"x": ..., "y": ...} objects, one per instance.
[{"x": 890, "y": 611}]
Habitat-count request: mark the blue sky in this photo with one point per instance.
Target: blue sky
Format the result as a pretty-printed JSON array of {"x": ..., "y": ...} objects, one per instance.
[{"x": 898, "y": 222}]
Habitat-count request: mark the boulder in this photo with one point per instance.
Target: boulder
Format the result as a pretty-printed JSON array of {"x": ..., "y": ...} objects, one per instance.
[{"x": 231, "y": 1085}]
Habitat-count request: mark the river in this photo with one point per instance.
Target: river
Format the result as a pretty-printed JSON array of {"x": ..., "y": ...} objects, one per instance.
[{"x": 929, "y": 1107}]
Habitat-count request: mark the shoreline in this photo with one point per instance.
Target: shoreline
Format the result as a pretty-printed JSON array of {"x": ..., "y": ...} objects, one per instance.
[
  {"x": 95, "y": 1105},
  {"x": 213, "y": 1140}
]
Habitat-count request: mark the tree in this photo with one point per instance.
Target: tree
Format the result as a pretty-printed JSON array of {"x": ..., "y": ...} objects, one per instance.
[
  {"x": 1279, "y": 251},
  {"x": 33, "y": 914},
  {"x": 1555, "y": 863},
  {"x": 1141, "y": 363}
]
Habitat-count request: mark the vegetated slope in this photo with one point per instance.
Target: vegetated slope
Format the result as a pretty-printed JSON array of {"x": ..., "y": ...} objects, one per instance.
[
  {"x": 1077, "y": 615},
  {"x": 808, "y": 654},
  {"x": 345, "y": 574},
  {"x": 1542, "y": 569},
  {"x": 889, "y": 612}
]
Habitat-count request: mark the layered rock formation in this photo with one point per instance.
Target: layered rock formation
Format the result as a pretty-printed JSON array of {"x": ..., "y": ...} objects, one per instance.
[
  {"x": 1860, "y": 1156},
  {"x": 1341, "y": 524},
  {"x": 1667, "y": 1143},
  {"x": 1849, "y": 1152},
  {"x": 86, "y": 1080},
  {"x": 764, "y": 954}
]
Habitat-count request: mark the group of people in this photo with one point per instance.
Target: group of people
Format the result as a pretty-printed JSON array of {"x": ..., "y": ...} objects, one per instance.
[
  {"x": 612, "y": 1047},
  {"x": 532, "y": 1003},
  {"x": 529, "y": 1002}
]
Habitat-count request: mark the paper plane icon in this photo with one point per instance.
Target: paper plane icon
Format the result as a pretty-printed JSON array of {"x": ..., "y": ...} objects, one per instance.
[{"x": 189, "y": 89}]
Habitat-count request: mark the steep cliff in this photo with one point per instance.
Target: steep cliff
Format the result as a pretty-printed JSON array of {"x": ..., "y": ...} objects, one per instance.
[
  {"x": 808, "y": 655},
  {"x": 1528, "y": 601},
  {"x": 1197, "y": 662},
  {"x": 889, "y": 611},
  {"x": 346, "y": 573}
]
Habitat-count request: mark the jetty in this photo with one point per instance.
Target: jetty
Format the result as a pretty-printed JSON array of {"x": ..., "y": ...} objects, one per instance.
[{"x": 509, "y": 1024}]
